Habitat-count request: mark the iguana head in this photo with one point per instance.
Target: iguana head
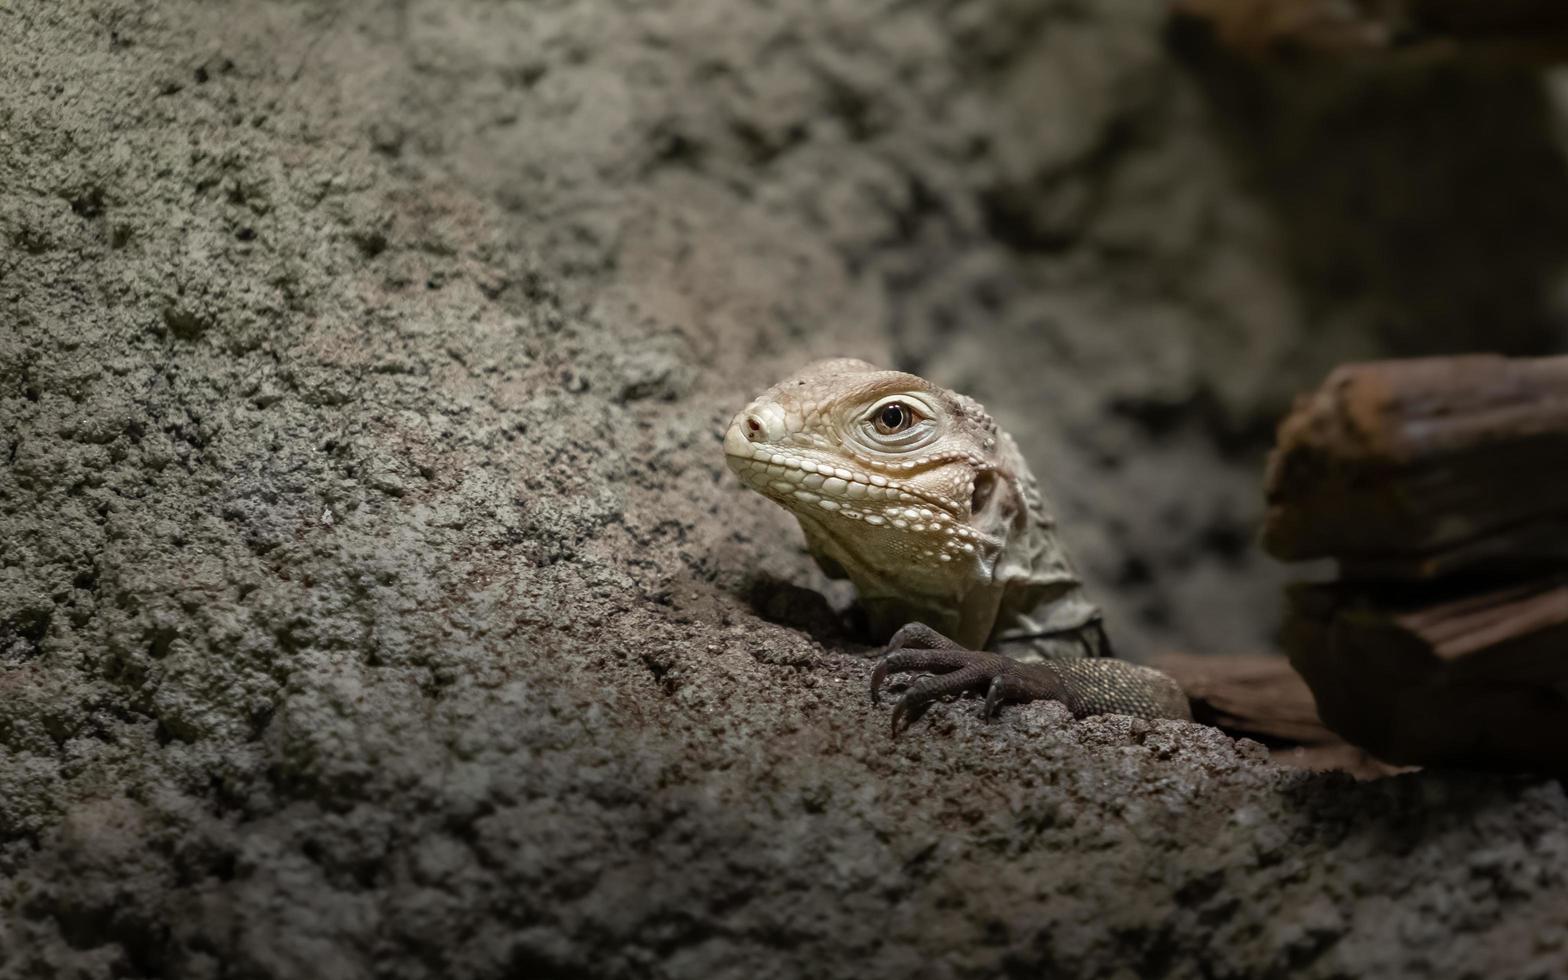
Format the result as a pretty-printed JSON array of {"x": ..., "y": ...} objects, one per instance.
[{"x": 904, "y": 486}]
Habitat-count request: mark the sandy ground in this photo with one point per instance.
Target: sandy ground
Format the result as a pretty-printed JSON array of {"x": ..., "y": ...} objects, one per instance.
[{"x": 374, "y": 601}]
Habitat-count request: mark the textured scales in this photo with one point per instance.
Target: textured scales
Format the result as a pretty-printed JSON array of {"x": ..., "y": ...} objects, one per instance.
[{"x": 913, "y": 493}]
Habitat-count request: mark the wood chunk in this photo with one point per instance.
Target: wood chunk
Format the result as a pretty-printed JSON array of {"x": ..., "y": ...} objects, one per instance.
[
  {"x": 1272, "y": 27},
  {"x": 1441, "y": 486},
  {"x": 1479, "y": 680},
  {"x": 1423, "y": 467},
  {"x": 1529, "y": 31},
  {"x": 1522, "y": 550},
  {"x": 1261, "y": 696}
]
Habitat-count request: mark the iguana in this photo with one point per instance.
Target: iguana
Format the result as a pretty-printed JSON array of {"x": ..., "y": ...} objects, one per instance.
[{"x": 913, "y": 493}]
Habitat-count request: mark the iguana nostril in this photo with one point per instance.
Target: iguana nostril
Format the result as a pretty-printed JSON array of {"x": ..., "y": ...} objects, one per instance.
[{"x": 763, "y": 422}]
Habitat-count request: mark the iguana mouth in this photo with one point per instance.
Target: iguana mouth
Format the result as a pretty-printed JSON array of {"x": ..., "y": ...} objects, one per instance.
[
  {"x": 809, "y": 486},
  {"x": 773, "y": 470}
]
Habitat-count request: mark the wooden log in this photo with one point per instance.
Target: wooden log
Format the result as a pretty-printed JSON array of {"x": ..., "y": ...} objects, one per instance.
[
  {"x": 1258, "y": 695},
  {"x": 1528, "y": 31},
  {"x": 1421, "y": 468},
  {"x": 1478, "y": 681},
  {"x": 1261, "y": 696}
]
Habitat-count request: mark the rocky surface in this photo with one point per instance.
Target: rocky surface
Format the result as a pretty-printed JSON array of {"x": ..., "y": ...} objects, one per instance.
[{"x": 373, "y": 598}]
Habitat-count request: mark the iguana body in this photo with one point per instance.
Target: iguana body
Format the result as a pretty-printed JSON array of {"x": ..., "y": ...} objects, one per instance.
[{"x": 913, "y": 493}]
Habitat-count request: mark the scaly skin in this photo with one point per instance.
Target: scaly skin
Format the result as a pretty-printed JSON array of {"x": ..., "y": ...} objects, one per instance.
[{"x": 913, "y": 493}]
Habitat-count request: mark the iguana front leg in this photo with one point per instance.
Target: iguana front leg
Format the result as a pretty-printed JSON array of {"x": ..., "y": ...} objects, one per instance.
[{"x": 1085, "y": 685}]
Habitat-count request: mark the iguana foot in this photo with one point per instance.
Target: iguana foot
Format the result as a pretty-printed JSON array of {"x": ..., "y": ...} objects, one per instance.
[
  {"x": 954, "y": 670},
  {"x": 1086, "y": 686}
]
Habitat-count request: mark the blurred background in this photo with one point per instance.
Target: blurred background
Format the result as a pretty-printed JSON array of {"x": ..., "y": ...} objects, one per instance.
[{"x": 1134, "y": 231}]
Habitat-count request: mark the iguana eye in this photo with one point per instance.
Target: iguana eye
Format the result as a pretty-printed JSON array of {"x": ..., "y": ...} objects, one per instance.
[{"x": 895, "y": 417}]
